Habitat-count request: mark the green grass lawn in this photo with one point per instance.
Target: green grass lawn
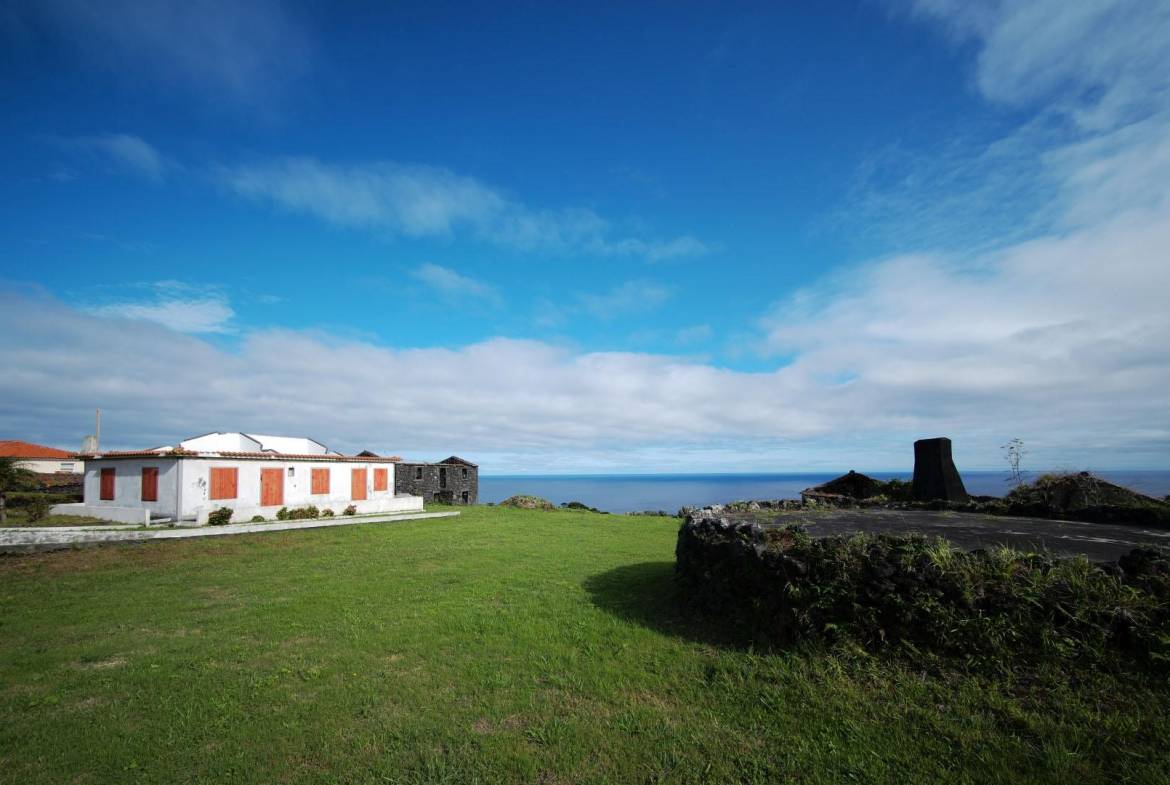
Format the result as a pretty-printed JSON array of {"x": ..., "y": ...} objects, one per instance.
[
  {"x": 500, "y": 646},
  {"x": 19, "y": 517}
]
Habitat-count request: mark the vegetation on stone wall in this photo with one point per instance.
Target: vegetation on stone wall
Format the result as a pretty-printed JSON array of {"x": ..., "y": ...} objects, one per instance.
[
  {"x": 927, "y": 599},
  {"x": 525, "y": 502}
]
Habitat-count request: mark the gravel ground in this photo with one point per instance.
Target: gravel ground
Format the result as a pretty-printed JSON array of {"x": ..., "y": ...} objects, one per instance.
[{"x": 1097, "y": 541}]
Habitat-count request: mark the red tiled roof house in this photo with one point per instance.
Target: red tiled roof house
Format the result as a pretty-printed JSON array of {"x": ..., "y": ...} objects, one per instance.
[
  {"x": 251, "y": 474},
  {"x": 41, "y": 459}
]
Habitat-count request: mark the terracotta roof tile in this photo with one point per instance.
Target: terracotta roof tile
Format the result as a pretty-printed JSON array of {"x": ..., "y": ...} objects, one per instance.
[{"x": 18, "y": 449}]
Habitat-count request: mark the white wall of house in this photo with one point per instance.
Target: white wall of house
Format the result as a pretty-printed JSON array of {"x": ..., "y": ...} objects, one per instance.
[
  {"x": 52, "y": 465},
  {"x": 184, "y": 488},
  {"x": 233, "y": 441}
]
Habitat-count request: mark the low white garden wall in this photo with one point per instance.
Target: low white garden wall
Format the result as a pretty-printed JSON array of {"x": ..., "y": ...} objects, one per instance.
[{"x": 403, "y": 503}]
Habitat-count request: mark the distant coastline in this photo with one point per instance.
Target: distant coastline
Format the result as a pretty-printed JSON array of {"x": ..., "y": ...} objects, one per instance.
[{"x": 668, "y": 492}]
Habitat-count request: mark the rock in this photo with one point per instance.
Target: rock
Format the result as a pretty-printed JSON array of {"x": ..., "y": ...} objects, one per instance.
[
  {"x": 935, "y": 475},
  {"x": 524, "y": 502}
]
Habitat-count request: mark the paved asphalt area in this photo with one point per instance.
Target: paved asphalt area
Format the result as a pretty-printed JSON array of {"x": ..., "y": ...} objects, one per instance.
[{"x": 1097, "y": 541}]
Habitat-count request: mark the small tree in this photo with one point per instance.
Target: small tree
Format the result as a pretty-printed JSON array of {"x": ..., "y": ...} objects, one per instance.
[
  {"x": 13, "y": 477},
  {"x": 1013, "y": 453}
]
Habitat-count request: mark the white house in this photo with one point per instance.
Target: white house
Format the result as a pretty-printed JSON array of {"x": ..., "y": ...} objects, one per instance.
[
  {"x": 40, "y": 459},
  {"x": 249, "y": 473}
]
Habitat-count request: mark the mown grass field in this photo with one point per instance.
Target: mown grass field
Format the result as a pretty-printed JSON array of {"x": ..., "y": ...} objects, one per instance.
[{"x": 500, "y": 646}]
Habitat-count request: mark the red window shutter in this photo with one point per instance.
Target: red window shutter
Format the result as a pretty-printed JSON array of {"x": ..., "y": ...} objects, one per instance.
[
  {"x": 358, "y": 484},
  {"x": 223, "y": 482},
  {"x": 320, "y": 481},
  {"x": 271, "y": 487},
  {"x": 381, "y": 479},
  {"x": 149, "y": 483},
  {"x": 108, "y": 479}
]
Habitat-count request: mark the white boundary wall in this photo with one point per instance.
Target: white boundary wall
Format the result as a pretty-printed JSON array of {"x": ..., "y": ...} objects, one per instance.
[{"x": 184, "y": 485}]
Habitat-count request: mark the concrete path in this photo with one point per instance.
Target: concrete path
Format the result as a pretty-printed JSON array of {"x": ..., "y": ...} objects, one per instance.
[
  {"x": 27, "y": 538},
  {"x": 1096, "y": 541}
]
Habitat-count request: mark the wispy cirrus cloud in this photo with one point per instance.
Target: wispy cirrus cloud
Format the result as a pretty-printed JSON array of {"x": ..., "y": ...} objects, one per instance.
[
  {"x": 454, "y": 285},
  {"x": 172, "y": 304},
  {"x": 247, "y": 52},
  {"x": 1088, "y": 80},
  {"x": 125, "y": 152},
  {"x": 428, "y": 201},
  {"x": 624, "y": 299},
  {"x": 1101, "y": 63}
]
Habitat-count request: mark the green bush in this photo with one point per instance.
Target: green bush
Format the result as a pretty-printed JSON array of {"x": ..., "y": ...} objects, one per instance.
[
  {"x": 523, "y": 501},
  {"x": 220, "y": 517},
  {"x": 282, "y": 514},
  {"x": 304, "y": 513},
  {"x": 38, "y": 509},
  {"x": 258, "y": 519},
  {"x": 24, "y": 499},
  {"x": 350, "y": 510},
  {"x": 578, "y": 506},
  {"x": 326, "y": 513},
  {"x": 927, "y": 598},
  {"x": 897, "y": 490}
]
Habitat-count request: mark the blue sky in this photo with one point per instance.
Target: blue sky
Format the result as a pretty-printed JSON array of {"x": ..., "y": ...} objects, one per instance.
[{"x": 624, "y": 238}]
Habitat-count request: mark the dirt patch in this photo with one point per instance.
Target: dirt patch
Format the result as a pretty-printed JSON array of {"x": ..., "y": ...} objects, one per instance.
[{"x": 116, "y": 661}]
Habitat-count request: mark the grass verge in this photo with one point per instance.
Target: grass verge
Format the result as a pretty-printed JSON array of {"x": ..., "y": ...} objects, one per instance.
[{"x": 499, "y": 646}]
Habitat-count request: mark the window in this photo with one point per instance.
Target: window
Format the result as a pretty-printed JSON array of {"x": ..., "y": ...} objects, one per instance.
[
  {"x": 320, "y": 482},
  {"x": 442, "y": 476},
  {"x": 381, "y": 479},
  {"x": 357, "y": 484},
  {"x": 149, "y": 483},
  {"x": 108, "y": 478},
  {"x": 464, "y": 497},
  {"x": 418, "y": 472},
  {"x": 465, "y": 474},
  {"x": 224, "y": 483},
  {"x": 271, "y": 487}
]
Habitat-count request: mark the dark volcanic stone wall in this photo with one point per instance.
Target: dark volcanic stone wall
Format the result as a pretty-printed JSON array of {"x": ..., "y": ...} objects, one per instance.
[{"x": 461, "y": 484}]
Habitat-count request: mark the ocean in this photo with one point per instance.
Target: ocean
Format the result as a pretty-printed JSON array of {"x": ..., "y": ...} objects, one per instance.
[{"x": 635, "y": 492}]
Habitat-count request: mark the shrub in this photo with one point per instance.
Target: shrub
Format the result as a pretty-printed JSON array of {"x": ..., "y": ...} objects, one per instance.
[
  {"x": 282, "y": 514},
  {"x": 220, "y": 517},
  {"x": 926, "y": 598},
  {"x": 258, "y": 519},
  {"x": 898, "y": 490},
  {"x": 37, "y": 509},
  {"x": 524, "y": 502},
  {"x": 579, "y": 506},
  {"x": 304, "y": 513},
  {"x": 350, "y": 510},
  {"x": 326, "y": 513}
]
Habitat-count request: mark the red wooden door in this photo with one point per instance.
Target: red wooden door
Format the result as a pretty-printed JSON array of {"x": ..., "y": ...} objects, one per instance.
[
  {"x": 107, "y": 490},
  {"x": 381, "y": 479},
  {"x": 149, "y": 483},
  {"x": 271, "y": 487},
  {"x": 358, "y": 485}
]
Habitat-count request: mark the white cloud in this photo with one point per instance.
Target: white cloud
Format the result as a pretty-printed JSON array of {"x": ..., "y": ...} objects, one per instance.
[
  {"x": 428, "y": 201},
  {"x": 453, "y": 284},
  {"x": 175, "y": 305},
  {"x": 125, "y": 151},
  {"x": 244, "y": 52},
  {"x": 624, "y": 299},
  {"x": 1090, "y": 79},
  {"x": 1103, "y": 62}
]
